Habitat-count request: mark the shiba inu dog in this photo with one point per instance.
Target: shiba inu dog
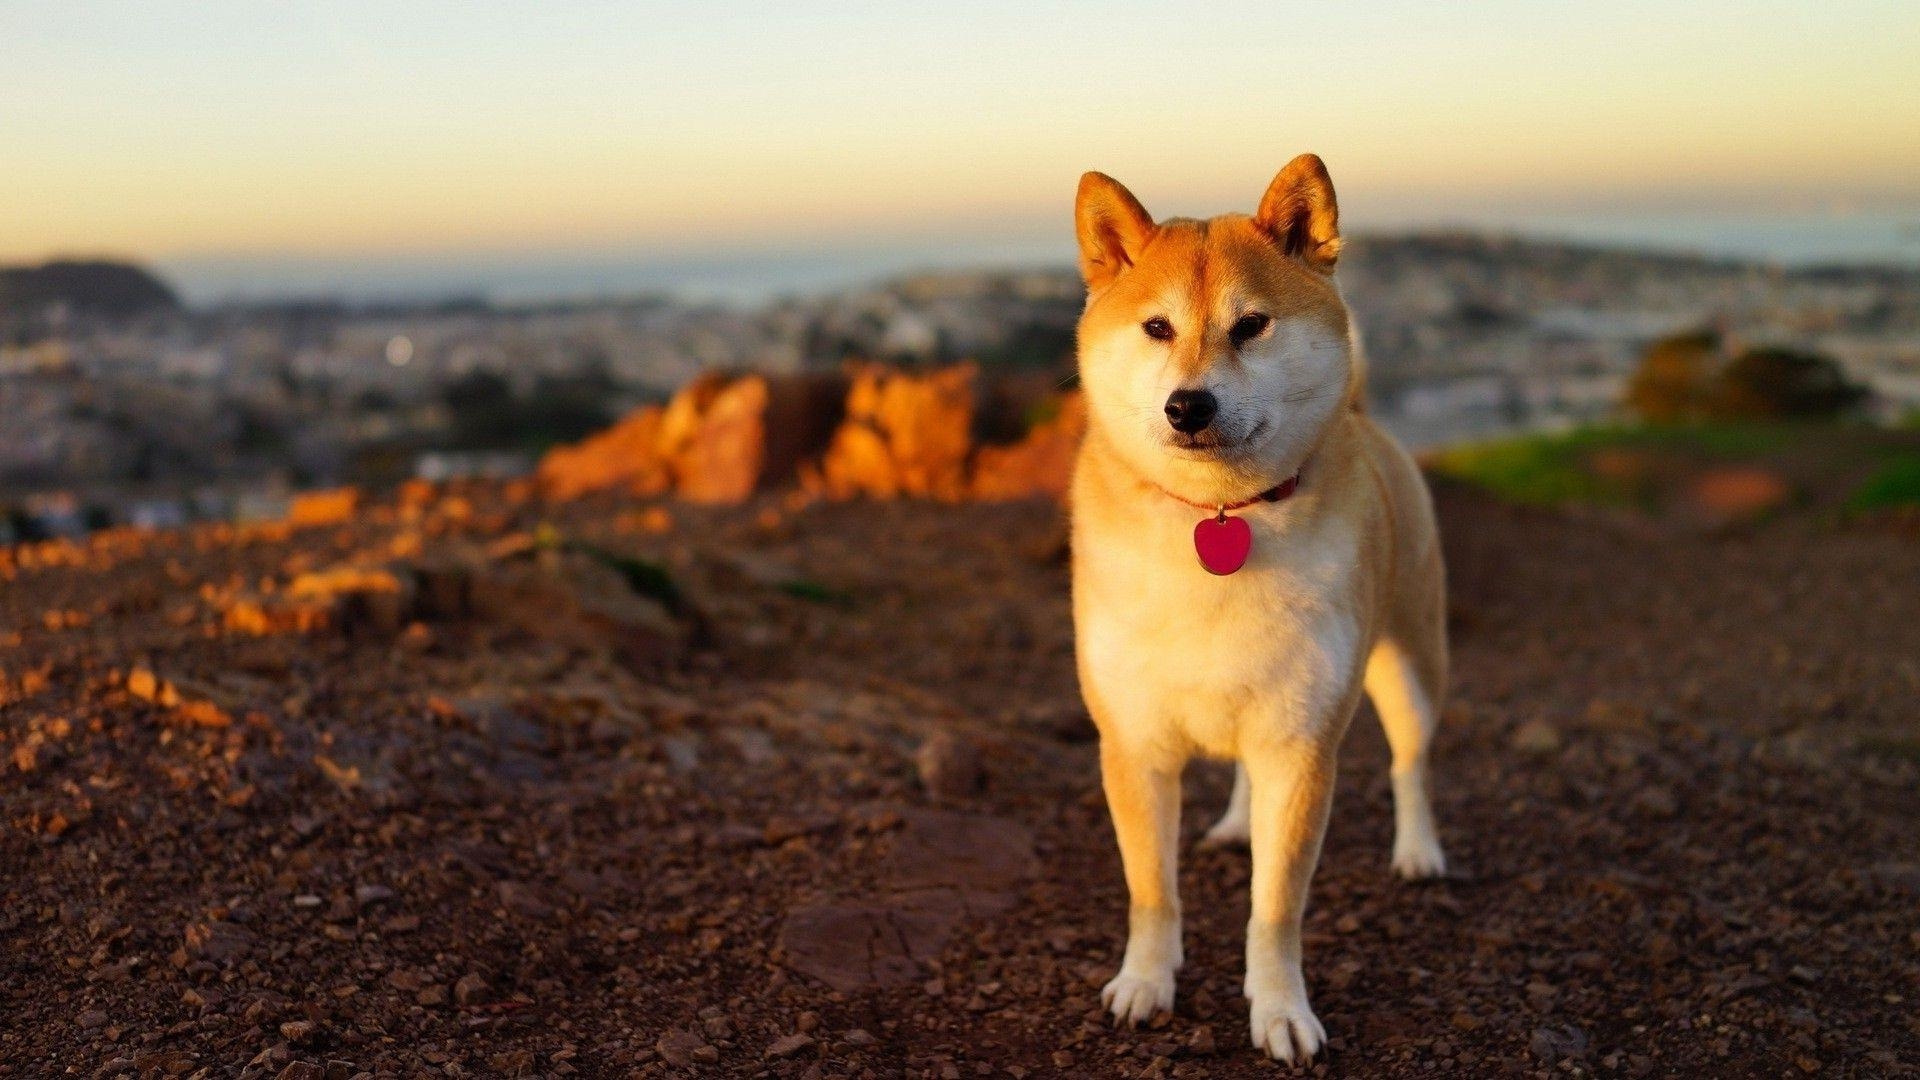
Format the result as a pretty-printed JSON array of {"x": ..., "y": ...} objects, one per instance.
[{"x": 1250, "y": 552}]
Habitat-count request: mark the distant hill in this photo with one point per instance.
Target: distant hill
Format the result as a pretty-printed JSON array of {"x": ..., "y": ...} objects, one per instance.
[{"x": 92, "y": 287}]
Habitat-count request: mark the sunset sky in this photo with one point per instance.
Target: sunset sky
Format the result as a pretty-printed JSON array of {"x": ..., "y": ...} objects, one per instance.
[{"x": 229, "y": 128}]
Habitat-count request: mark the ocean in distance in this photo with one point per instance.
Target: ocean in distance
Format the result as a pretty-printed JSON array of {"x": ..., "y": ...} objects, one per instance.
[{"x": 751, "y": 277}]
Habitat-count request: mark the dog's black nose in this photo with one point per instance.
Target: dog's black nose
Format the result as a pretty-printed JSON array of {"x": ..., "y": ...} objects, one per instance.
[{"x": 1190, "y": 411}]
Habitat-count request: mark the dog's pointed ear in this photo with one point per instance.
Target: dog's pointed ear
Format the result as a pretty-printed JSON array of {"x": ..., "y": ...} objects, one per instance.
[
  {"x": 1112, "y": 227},
  {"x": 1299, "y": 212}
]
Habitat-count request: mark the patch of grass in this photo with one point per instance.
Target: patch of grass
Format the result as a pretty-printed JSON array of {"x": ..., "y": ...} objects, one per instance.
[
  {"x": 1536, "y": 470},
  {"x": 815, "y": 592},
  {"x": 1615, "y": 465},
  {"x": 1711, "y": 440},
  {"x": 644, "y": 578},
  {"x": 1650, "y": 465},
  {"x": 647, "y": 579},
  {"x": 1895, "y": 483}
]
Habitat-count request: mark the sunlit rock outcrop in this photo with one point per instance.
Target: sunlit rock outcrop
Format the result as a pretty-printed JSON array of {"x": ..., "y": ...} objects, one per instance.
[{"x": 875, "y": 432}]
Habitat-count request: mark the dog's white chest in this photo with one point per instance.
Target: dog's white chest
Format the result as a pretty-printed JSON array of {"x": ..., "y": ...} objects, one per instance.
[{"x": 1185, "y": 659}]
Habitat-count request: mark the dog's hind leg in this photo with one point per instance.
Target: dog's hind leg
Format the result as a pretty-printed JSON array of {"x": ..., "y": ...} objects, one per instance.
[
  {"x": 1406, "y": 689},
  {"x": 1145, "y": 803},
  {"x": 1232, "y": 829}
]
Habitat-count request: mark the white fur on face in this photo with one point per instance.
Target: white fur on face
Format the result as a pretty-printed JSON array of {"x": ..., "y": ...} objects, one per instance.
[{"x": 1276, "y": 393}]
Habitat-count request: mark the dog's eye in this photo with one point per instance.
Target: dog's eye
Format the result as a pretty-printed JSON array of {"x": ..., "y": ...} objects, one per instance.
[
  {"x": 1248, "y": 327},
  {"x": 1157, "y": 328}
]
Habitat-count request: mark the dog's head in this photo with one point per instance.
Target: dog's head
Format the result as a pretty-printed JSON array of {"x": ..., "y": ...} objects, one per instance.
[{"x": 1215, "y": 353}]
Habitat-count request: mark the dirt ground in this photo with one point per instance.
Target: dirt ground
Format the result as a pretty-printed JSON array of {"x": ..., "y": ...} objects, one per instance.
[{"x": 1677, "y": 782}]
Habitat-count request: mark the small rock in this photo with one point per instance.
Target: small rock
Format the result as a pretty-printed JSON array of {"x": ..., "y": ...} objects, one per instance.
[
  {"x": 510, "y": 1062},
  {"x": 683, "y": 753},
  {"x": 950, "y": 767},
  {"x": 1537, "y": 737},
  {"x": 145, "y": 685},
  {"x": 781, "y": 828},
  {"x": 298, "y": 1030},
  {"x": 523, "y": 899},
  {"x": 1343, "y": 974},
  {"x": 163, "y": 1062},
  {"x": 334, "y": 506},
  {"x": 1656, "y": 802},
  {"x": 681, "y": 1048},
  {"x": 470, "y": 989},
  {"x": 407, "y": 979},
  {"x": 788, "y": 1045},
  {"x": 754, "y": 746},
  {"x": 372, "y": 894},
  {"x": 92, "y": 1018},
  {"x": 1612, "y": 715},
  {"x": 1551, "y": 1044},
  {"x": 1201, "y": 1041},
  {"x": 218, "y": 941}
]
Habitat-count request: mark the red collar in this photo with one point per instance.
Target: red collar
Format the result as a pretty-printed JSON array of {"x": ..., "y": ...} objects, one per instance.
[{"x": 1273, "y": 494}]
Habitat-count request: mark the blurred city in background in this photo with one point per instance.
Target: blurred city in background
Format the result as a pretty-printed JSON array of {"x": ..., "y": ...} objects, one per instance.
[{"x": 127, "y": 405}]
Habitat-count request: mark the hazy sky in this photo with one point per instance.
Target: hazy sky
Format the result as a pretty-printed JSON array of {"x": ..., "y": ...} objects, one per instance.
[{"x": 249, "y": 128}]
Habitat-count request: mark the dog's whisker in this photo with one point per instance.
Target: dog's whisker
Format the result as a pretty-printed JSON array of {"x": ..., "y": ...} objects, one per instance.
[{"x": 1310, "y": 391}]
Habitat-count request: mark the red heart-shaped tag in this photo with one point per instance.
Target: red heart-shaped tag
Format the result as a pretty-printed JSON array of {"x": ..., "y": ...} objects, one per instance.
[{"x": 1223, "y": 544}]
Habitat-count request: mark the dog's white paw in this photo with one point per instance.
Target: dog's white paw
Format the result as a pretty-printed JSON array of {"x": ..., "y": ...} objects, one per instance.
[
  {"x": 1418, "y": 858},
  {"x": 1286, "y": 1028},
  {"x": 1228, "y": 832},
  {"x": 1133, "y": 999}
]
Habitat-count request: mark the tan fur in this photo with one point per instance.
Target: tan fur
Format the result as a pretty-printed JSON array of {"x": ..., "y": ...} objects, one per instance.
[{"x": 1344, "y": 590}]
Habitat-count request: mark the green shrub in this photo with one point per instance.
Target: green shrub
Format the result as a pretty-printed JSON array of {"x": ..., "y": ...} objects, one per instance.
[
  {"x": 1674, "y": 380},
  {"x": 1781, "y": 384},
  {"x": 1896, "y": 483},
  {"x": 1693, "y": 377}
]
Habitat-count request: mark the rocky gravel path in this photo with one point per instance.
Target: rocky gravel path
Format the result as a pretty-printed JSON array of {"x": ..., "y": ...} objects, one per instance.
[{"x": 457, "y": 788}]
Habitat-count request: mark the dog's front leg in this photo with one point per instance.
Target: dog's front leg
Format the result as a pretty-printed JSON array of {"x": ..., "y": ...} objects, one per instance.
[
  {"x": 1292, "y": 789},
  {"x": 1144, "y": 799}
]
